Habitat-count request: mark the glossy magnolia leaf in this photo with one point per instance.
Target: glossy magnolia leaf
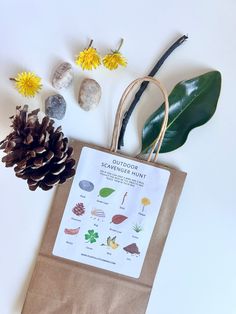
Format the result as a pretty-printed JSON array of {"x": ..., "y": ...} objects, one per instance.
[
  {"x": 192, "y": 103},
  {"x": 105, "y": 192}
]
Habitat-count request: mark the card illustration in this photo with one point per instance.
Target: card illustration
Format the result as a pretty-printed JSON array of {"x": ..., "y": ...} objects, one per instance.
[
  {"x": 145, "y": 202},
  {"x": 124, "y": 197},
  {"x": 116, "y": 201},
  {"x": 72, "y": 231},
  {"x": 111, "y": 243},
  {"x": 91, "y": 236},
  {"x": 98, "y": 213},
  {"x": 86, "y": 185},
  {"x": 137, "y": 228},
  {"x": 118, "y": 219},
  {"x": 105, "y": 192},
  {"x": 132, "y": 249},
  {"x": 78, "y": 209}
]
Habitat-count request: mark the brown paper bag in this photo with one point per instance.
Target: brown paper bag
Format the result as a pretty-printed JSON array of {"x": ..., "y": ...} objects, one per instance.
[{"x": 61, "y": 286}]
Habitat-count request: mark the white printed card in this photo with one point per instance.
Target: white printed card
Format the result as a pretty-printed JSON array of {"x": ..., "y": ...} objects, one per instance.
[{"x": 111, "y": 212}]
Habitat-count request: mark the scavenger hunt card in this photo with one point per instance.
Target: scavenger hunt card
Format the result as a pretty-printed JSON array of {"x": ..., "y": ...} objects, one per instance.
[{"x": 111, "y": 212}]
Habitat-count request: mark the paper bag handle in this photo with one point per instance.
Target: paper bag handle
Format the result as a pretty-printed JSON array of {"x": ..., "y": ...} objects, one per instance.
[{"x": 120, "y": 112}]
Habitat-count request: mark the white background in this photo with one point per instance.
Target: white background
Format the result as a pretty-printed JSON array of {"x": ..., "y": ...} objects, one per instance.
[{"x": 197, "y": 273}]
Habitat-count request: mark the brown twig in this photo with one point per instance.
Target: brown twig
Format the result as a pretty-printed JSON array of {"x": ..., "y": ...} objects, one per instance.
[{"x": 144, "y": 85}]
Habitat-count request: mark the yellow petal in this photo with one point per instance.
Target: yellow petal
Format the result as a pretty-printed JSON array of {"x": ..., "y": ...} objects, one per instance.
[
  {"x": 88, "y": 59},
  {"x": 112, "y": 60},
  {"x": 28, "y": 84}
]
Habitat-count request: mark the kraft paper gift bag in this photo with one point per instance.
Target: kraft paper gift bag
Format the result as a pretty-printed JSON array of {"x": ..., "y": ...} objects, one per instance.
[{"x": 106, "y": 230}]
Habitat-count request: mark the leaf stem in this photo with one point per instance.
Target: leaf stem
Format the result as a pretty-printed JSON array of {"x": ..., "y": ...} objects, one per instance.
[
  {"x": 12, "y": 79},
  {"x": 144, "y": 85},
  {"x": 90, "y": 43},
  {"x": 121, "y": 43}
]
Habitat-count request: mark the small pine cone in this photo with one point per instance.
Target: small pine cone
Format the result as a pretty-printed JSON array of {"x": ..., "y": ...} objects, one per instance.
[
  {"x": 79, "y": 209},
  {"x": 40, "y": 153}
]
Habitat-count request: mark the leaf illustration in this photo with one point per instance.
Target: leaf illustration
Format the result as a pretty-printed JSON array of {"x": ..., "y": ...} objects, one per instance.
[
  {"x": 87, "y": 236},
  {"x": 105, "y": 192},
  {"x": 118, "y": 219},
  {"x": 91, "y": 236},
  {"x": 192, "y": 103}
]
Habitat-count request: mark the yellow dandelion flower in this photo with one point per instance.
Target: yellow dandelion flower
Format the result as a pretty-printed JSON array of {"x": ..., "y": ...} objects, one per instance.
[
  {"x": 89, "y": 58},
  {"x": 112, "y": 60},
  {"x": 27, "y": 84}
]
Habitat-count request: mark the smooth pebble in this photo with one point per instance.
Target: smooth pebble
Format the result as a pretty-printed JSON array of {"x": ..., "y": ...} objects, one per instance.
[
  {"x": 62, "y": 76},
  {"x": 89, "y": 94},
  {"x": 55, "y": 106}
]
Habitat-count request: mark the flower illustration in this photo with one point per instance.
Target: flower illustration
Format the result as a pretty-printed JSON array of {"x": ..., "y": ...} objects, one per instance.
[
  {"x": 89, "y": 58},
  {"x": 145, "y": 202},
  {"x": 91, "y": 236},
  {"x": 27, "y": 84},
  {"x": 112, "y": 60}
]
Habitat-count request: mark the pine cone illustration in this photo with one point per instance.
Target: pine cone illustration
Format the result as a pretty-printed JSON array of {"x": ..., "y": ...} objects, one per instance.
[
  {"x": 79, "y": 209},
  {"x": 40, "y": 153}
]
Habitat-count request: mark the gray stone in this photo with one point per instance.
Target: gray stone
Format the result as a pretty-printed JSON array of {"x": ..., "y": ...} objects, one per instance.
[
  {"x": 86, "y": 185},
  {"x": 89, "y": 94},
  {"x": 62, "y": 76},
  {"x": 55, "y": 106}
]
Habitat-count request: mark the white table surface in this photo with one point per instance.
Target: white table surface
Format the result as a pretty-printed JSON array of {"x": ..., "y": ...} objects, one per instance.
[{"x": 197, "y": 273}]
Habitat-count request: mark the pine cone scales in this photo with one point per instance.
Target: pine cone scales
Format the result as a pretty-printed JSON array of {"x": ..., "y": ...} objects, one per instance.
[{"x": 40, "y": 153}]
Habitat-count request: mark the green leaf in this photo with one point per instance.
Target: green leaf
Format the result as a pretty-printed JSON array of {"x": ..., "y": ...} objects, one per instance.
[
  {"x": 105, "y": 192},
  {"x": 87, "y": 236},
  {"x": 192, "y": 103}
]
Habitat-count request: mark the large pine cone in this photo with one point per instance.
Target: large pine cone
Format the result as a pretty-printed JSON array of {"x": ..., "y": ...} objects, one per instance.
[{"x": 40, "y": 152}]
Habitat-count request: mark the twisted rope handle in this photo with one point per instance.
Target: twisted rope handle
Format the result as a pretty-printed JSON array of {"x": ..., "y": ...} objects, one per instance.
[{"x": 120, "y": 111}]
